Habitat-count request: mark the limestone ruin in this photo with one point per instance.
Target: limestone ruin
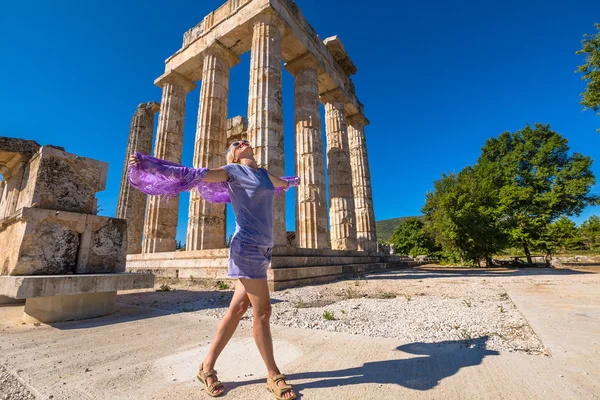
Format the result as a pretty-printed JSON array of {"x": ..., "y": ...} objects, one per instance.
[
  {"x": 66, "y": 261},
  {"x": 276, "y": 33}
]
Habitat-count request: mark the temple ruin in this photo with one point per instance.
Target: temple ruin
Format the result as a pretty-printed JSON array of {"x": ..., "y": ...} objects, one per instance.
[
  {"x": 277, "y": 35},
  {"x": 56, "y": 254}
]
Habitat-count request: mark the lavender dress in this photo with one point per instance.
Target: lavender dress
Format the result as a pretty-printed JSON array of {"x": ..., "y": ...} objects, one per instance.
[{"x": 249, "y": 191}]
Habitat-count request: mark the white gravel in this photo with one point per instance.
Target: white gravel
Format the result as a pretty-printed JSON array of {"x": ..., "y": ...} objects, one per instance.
[
  {"x": 433, "y": 306},
  {"x": 11, "y": 388}
]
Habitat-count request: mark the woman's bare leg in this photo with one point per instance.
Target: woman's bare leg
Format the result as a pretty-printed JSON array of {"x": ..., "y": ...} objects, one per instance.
[
  {"x": 227, "y": 326},
  {"x": 257, "y": 291}
]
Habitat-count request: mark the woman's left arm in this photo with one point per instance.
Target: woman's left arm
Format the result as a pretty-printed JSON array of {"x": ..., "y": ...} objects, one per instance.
[{"x": 278, "y": 182}]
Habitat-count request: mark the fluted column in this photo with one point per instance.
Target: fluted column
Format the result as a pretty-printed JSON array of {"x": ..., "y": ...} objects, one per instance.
[
  {"x": 160, "y": 228},
  {"x": 206, "y": 223},
  {"x": 265, "y": 108},
  {"x": 341, "y": 201},
  {"x": 311, "y": 200},
  {"x": 132, "y": 203},
  {"x": 361, "y": 183}
]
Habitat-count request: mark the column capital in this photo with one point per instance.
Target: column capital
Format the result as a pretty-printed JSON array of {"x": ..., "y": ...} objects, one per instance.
[
  {"x": 270, "y": 17},
  {"x": 334, "y": 95},
  {"x": 304, "y": 61},
  {"x": 152, "y": 105},
  {"x": 176, "y": 78},
  {"x": 217, "y": 49},
  {"x": 357, "y": 119}
]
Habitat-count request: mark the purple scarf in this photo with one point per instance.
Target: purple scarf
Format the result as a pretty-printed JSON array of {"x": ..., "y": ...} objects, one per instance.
[{"x": 158, "y": 177}]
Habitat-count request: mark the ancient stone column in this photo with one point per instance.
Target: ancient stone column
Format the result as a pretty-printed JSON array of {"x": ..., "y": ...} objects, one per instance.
[
  {"x": 311, "y": 201},
  {"x": 361, "y": 183},
  {"x": 206, "y": 223},
  {"x": 160, "y": 228},
  {"x": 132, "y": 203},
  {"x": 265, "y": 108},
  {"x": 341, "y": 201}
]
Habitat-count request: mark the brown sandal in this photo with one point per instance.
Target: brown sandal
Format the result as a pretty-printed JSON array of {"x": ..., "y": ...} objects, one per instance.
[
  {"x": 279, "y": 391},
  {"x": 210, "y": 389}
]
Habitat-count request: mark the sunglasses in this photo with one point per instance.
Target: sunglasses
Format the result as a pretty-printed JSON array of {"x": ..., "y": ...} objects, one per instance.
[{"x": 239, "y": 143}]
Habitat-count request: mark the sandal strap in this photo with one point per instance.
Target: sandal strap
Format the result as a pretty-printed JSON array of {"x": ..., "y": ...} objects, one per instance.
[
  {"x": 281, "y": 390},
  {"x": 211, "y": 373},
  {"x": 278, "y": 377},
  {"x": 215, "y": 385}
]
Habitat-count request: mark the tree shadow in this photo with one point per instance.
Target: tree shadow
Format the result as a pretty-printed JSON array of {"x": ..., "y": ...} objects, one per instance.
[{"x": 437, "y": 362}]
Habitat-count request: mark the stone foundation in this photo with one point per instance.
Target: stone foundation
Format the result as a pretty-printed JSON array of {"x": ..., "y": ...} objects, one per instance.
[
  {"x": 69, "y": 297},
  {"x": 289, "y": 266}
]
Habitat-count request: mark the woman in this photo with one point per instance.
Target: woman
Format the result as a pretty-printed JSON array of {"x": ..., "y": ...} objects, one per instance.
[{"x": 251, "y": 191}]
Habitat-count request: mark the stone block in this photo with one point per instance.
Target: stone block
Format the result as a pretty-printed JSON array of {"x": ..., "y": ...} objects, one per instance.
[
  {"x": 69, "y": 308},
  {"x": 47, "y": 242},
  {"x": 69, "y": 297},
  {"x": 57, "y": 180},
  {"x": 26, "y": 287}
]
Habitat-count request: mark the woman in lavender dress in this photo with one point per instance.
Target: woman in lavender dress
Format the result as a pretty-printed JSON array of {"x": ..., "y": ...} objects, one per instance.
[{"x": 251, "y": 191}]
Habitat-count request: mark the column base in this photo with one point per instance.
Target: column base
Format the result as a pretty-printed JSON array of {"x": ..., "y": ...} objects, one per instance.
[
  {"x": 159, "y": 245},
  {"x": 70, "y": 307}
]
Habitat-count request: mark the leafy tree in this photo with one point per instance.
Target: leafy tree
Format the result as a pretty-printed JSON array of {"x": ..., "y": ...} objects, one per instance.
[
  {"x": 590, "y": 232},
  {"x": 461, "y": 218},
  {"x": 410, "y": 238},
  {"x": 179, "y": 246},
  {"x": 590, "y": 98},
  {"x": 563, "y": 235},
  {"x": 531, "y": 181}
]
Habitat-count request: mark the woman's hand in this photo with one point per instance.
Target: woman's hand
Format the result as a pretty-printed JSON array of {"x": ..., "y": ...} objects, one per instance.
[{"x": 133, "y": 160}]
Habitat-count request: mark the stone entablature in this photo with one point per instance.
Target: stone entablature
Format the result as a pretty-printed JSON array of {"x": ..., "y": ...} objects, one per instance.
[{"x": 230, "y": 26}]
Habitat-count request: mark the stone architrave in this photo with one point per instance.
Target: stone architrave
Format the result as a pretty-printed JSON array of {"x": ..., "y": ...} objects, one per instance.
[
  {"x": 341, "y": 201},
  {"x": 361, "y": 183},
  {"x": 160, "y": 227},
  {"x": 132, "y": 203},
  {"x": 311, "y": 200},
  {"x": 206, "y": 223},
  {"x": 265, "y": 107}
]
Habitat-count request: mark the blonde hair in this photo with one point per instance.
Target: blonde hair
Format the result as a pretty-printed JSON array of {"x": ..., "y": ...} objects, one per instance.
[{"x": 230, "y": 155}]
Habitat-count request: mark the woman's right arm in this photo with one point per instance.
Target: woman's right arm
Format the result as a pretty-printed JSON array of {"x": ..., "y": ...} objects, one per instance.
[
  {"x": 216, "y": 175},
  {"x": 154, "y": 176},
  {"x": 212, "y": 175}
]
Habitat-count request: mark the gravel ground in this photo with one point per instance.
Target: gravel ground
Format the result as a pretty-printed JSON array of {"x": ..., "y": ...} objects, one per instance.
[
  {"x": 427, "y": 305},
  {"x": 11, "y": 388}
]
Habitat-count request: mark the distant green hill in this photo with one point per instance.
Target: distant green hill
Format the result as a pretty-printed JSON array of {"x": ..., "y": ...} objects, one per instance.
[{"x": 386, "y": 227}]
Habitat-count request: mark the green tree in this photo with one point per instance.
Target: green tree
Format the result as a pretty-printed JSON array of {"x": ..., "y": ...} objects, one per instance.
[
  {"x": 590, "y": 98},
  {"x": 532, "y": 180},
  {"x": 410, "y": 238},
  {"x": 461, "y": 219},
  {"x": 563, "y": 235},
  {"x": 590, "y": 232}
]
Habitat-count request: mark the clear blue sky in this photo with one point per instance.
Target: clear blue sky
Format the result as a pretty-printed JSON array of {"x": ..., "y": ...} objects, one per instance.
[{"x": 437, "y": 79}]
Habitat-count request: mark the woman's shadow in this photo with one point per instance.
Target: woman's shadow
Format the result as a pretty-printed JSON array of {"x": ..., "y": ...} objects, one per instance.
[{"x": 439, "y": 361}]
